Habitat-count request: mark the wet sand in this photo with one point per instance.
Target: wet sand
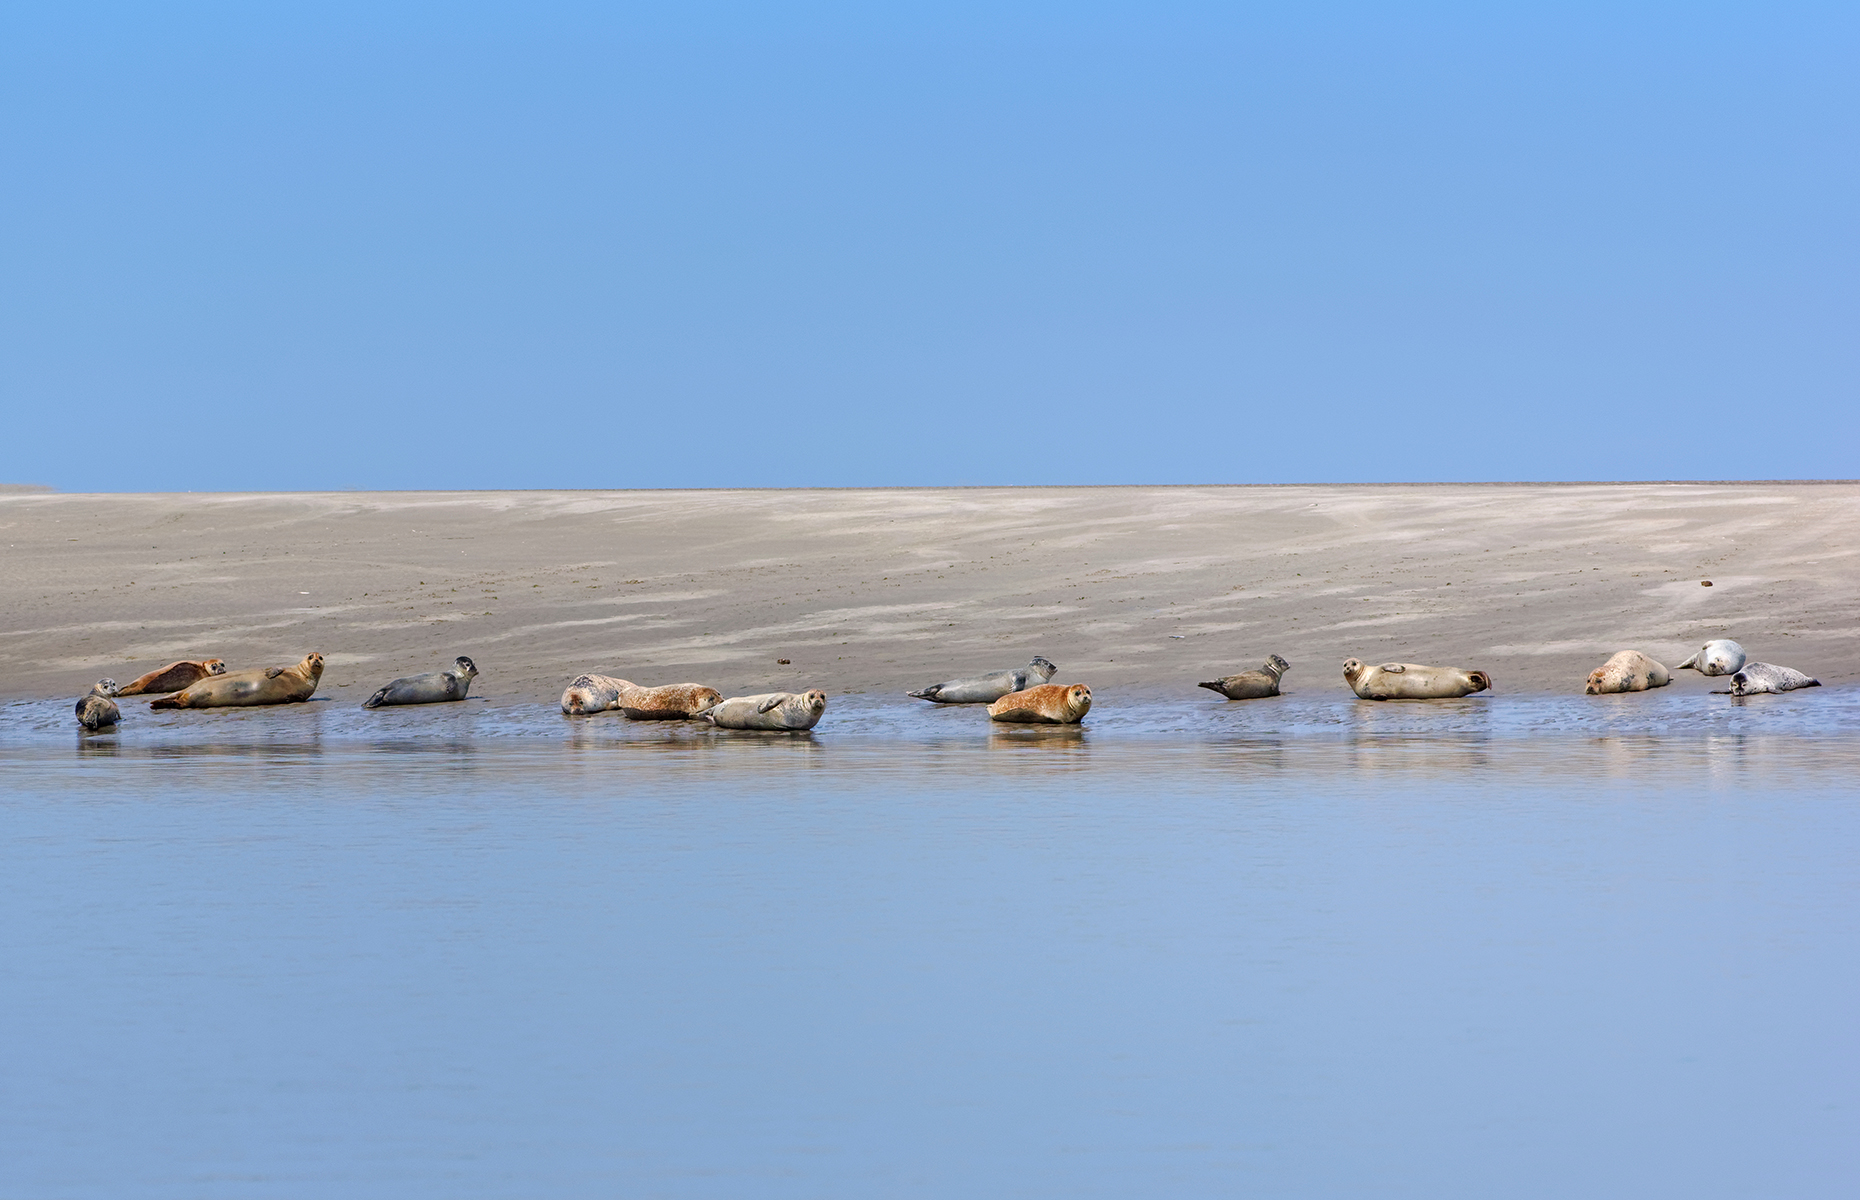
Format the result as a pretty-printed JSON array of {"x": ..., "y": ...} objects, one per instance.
[{"x": 880, "y": 591}]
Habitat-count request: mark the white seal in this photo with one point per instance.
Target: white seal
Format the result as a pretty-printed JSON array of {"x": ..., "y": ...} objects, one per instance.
[
  {"x": 794, "y": 711},
  {"x": 1627, "y": 671},
  {"x": 1720, "y": 657}
]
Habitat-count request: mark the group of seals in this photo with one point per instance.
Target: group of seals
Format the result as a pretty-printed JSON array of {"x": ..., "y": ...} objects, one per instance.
[
  {"x": 237, "y": 689},
  {"x": 986, "y": 689},
  {"x": 1632, "y": 671},
  {"x": 1019, "y": 695},
  {"x": 776, "y": 711}
]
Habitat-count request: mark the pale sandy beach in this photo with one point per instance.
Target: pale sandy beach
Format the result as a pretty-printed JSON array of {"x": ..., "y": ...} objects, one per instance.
[{"x": 1147, "y": 589}]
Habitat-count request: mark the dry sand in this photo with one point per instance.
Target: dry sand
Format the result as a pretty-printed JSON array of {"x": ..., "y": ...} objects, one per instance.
[{"x": 1143, "y": 588}]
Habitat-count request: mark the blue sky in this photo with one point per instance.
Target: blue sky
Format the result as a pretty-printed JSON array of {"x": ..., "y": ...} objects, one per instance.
[{"x": 413, "y": 246}]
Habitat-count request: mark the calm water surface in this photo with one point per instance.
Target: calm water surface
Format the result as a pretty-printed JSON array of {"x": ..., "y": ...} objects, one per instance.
[{"x": 1537, "y": 947}]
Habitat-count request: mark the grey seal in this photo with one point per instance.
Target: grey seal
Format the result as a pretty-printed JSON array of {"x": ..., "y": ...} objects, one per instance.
[
  {"x": 95, "y": 710},
  {"x": 1627, "y": 671},
  {"x": 793, "y": 711},
  {"x": 986, "y": 689},
  {"x": 1251, "y": 685},
  {"x": 1758, "y": 677},
  {"x": 1720, "y": 657},
  {"x": 1411, "y": 681},
  {"x": 428, "y": 689}
]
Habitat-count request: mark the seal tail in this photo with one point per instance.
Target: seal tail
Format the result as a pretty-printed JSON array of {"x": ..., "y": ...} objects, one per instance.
[
  {"x": 376, "y": 700},
  {"x": 167, "y": 702},
  {"x": 1213, "y": 685}
]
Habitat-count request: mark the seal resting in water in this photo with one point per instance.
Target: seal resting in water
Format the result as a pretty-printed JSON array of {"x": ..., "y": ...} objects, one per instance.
[
  {"x": 590, "y": 694},
  {"x": 95, "y": 710},
  {"x": 1044, "y": 704},
  {"x": 771, "y": 710},
  {"x": 1759, "y": 677},
  {"x": 1720, "y": 657},
  {"x": 428, "y": 689},
  {"x": 1411, "y": 681},
  {"x": 1251, "y": 685},
  {"x": 1627, "y": 671},
  {"x": 986, "y": 689},
  {"x": 669, "y": 702},
  {"x": 269, "y": 685},
  {"x": 172, "y": 678}
]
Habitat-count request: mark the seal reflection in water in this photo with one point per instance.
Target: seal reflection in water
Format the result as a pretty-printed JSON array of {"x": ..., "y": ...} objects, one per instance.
[
  {"x": 1251, "y": 685},
  {"x": 590, "y": 694},
  {"x": 1627, "y": 671},
  {"x": 985, "y": 689},
  {"x": 1720, "y": 657},
  {"x": 793, "y": 711},
  {"x": 435, "y": 688},
  {"x": 1759, "y": 677},
  {"x": 173, "y": 677},
  {"x": 1047, "y": 704},
  {"x": 1411, "y": 681},
  {"x": 96, "y": 710},
  {"x": 271, "y": 685}
]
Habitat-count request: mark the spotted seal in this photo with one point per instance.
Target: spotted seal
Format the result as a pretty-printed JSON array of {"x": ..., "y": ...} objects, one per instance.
[
  {"x": 985, "y": 689},
  {"x": 432, "y": 688},
  {"x": 1044, "y": 704},
  {"x": 1410, "y": 681},
  {"x": 1756, "y": 678},
  {"x": 95, "y": 709},
  {"x": 269, "y": 685},
  {"x": 590, "y": 694},
  {"x": 173, "y": 677},
  {"x": 1627, "y": 671},
  {"x": 669, "y": 702},
  {"x": 1251, "y": 685},
  {"x": 794, "y": 711},
  {"x": 1720, "y": 657}
]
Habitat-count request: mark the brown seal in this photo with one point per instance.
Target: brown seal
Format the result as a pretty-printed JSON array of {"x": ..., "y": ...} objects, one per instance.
[
  {"x": 671, "y": 702},
  {"x": 172, "y": 678},
  {"x": 1627, "y": 671},
  {"x": 1411, "y": 681},
  {"x": 270, "y": 685},
  {"x": 1047, "y": 704}
]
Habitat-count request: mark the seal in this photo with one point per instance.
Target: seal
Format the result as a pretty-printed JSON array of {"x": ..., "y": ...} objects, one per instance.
[
  {"x": 95, "y": 710},
  {"x": 986, "y": 689},
  {"x": 590, "y": 694},
  {"x": 1410, "y": 681},
  {"x": 670, "y": 702},
  {"x": 1756, "y": 678},
  {"x": 172, "y": 678},
  {"x": 269, "y": 685},
  {"x": 1627, "y": 671},
  {"x": 773, "y": 710},
  {"x": 1720, "y": 657},
  {"x": 428, "y": 689},
  {"x": 1044, "y": 704},
  {"x": 1251, "y": 685}
]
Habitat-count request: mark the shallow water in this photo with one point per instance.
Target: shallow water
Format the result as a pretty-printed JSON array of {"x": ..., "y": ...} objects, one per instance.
[{"x": 1543, "y": 946}]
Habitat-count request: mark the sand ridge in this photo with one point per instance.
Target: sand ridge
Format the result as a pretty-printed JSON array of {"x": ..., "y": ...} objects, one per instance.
[{"x": 886, "y": 590}]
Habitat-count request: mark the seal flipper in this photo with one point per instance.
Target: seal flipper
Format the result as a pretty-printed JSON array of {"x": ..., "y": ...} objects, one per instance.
[
  {"x": 376, "y": 700},
  {"x": 773, "y": 702},
  {"x": 1214, "y": 686},
  {"x": 1691, "y": 664},
  {"x": 173, "y": 701}
]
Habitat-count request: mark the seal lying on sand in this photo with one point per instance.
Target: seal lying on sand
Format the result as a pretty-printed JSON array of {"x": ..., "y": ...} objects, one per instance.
[
  {"x": 96, "y": 710},
  {"x": 1251, "y": 685},
  {"x": 1044, "y": 704},
  {"x": 269, "y": 685},
  {"x": 1759, "y": 677},
  {"x": 1410, "y": 681},
  {"x": 1627, "y": 671},
  {"x": 428, "y": 689},
  {"x": 590, "y": 694},
  {"x": 172, "y": 678},
  {"x": 772, "y": 710},
  {"x": 671, "y": 702},
  {"x": 985, "y": 689},
  {"x": 1720, "y": 657}
]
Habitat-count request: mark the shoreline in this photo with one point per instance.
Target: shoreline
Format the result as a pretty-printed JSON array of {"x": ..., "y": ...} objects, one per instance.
[{"x": 875, "y": 590}]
